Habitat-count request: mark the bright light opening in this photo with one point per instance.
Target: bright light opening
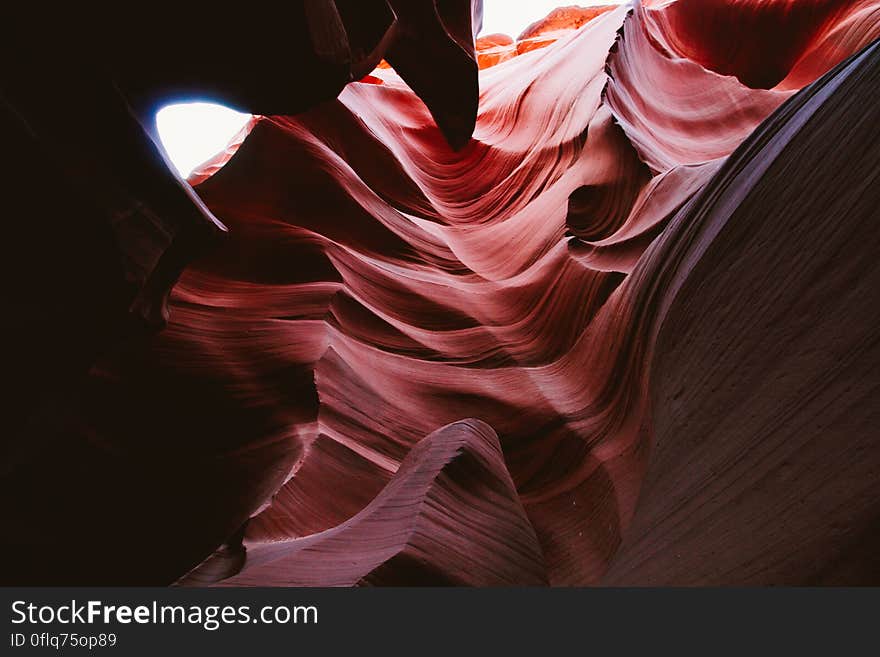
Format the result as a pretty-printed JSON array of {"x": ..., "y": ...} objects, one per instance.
[{"x": 193, "y": 133}]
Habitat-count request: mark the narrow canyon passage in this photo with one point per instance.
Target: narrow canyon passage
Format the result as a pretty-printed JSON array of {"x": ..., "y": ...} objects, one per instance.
[{"x": 407, "y": 363}]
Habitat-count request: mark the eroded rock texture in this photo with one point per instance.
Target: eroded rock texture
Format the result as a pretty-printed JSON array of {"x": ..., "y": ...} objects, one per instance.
[
  {"x": 622, "y": 334},
  {"x": 99, "y": 226}
]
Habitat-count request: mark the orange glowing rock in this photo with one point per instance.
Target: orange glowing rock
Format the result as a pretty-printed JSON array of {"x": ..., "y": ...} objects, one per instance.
[
  {"x": 493, "y": 49},
  {"x": 563, "y": 18},
  {"x": 496, "y": 48}
]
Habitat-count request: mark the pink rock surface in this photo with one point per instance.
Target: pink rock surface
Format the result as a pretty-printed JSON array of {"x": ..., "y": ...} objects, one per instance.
[
  {"x": 442, "y": 285},
  {"x": 620, "y": 335}
]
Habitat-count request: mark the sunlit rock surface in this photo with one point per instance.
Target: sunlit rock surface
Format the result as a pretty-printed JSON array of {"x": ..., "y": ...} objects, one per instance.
[
  {"x": 622, "y": 335},
  {"x": 493, "y": 49}
]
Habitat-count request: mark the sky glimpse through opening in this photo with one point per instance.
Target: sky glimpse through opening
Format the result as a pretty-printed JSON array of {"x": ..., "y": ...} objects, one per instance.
[{"x": 193, "y": 133}]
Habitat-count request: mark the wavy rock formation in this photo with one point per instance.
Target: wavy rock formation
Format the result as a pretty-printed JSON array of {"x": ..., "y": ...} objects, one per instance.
[
  {"x": 619, "y": 335},
  {"x": 420, "y": 529},
  {"x": 764, "y": 380},
  {"x": 103, "y": 226},
  {"x": 123, "y": 223}
]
